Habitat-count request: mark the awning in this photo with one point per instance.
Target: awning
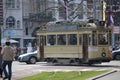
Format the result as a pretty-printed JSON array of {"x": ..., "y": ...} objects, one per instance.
[{"x": 11, "y": 40}]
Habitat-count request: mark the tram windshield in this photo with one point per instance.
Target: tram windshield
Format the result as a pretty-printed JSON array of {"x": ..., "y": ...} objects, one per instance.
[{"x": 103, "y": 39}]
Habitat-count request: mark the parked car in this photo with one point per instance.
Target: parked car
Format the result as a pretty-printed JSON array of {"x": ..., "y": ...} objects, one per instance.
[
  {"x": 116, "y": 54},
  {"x": 29, "y": 58}
]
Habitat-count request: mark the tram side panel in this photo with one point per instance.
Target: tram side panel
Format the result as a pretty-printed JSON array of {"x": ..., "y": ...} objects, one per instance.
[
  {"x": 52, "y": 53},
  {"x": 74, "y": 53},
  {"x": 55, "y": 53}
]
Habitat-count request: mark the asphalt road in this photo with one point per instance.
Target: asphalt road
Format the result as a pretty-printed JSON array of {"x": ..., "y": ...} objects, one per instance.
[{"x": 113, "y": 76}]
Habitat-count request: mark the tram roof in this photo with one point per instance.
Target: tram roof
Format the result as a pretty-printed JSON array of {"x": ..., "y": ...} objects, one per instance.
[
  {"x": 65, "y": 22},
  {"x": 68, "y": 26}
]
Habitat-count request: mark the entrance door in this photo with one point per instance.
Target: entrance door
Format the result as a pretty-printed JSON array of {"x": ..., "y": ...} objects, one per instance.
[
  {"x": 42, "y": 40},
  {"x": 85, "y": 47}
]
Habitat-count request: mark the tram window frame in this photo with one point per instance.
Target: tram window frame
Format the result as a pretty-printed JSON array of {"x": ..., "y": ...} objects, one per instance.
[
  {"x": 40, "y": 39},
  {"x": 90, "y": 39},
  {"x": 80, "y": 39},
  {"x": 53, "y": 40},
  {"x": 94, "y": 38},
  {"x": 72, "y": 39},
  {"x": 61, "y": 39},
  {"x": 103, "y": 39}
]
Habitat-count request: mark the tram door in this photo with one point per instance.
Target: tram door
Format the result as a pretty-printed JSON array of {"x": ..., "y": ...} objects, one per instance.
[
  {"x": 42, "y": 40},
  {"x": 85, "y": 47}
]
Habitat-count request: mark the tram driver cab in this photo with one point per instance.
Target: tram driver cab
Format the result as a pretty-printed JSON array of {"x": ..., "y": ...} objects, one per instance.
[{"x": 103, "y": 39}]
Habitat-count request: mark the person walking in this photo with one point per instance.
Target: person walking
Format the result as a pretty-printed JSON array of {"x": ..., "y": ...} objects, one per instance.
[
  {"x": 0, "y": 63},
  {"x": 8, "y": 57}
]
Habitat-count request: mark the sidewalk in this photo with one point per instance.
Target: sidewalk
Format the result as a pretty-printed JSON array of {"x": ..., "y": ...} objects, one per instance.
[{"x": 24, "y": 73}]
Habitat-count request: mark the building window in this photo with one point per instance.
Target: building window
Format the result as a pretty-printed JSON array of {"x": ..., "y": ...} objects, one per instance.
[
  {"x": 10, "y": 3},
  {"x": 18, "y": 4},
  {"x": 26, "y": 30},
  {"x": 10, "y": 22},
  {"x": 18, "y": 24}
]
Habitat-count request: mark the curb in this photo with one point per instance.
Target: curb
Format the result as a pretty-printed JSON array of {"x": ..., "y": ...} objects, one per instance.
[{"x": 102, "y": 75}]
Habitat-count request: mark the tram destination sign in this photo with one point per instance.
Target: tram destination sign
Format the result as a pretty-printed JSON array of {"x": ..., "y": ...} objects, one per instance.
[{"x": 62, "y": 28}]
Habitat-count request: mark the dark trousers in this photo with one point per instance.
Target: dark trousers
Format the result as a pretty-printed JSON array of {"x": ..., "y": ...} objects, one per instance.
[
  {"x": 0, "y": 72},
  {"x": 8, "y": 73}
]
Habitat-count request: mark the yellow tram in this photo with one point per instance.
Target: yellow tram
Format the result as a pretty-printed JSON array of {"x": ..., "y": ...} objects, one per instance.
[{"x": 74, "y": 42}]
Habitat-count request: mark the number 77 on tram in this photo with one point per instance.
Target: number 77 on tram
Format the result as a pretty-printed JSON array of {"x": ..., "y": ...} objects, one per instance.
[{"x": 73, "y": 42}]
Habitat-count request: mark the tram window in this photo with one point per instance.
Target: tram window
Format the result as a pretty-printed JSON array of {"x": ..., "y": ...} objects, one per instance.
[
  {"x": 109, "y": 38},
  {"x": 42, "y": 40},
  {"x": 61, "y": 39},
  {"x": 117, "y": 37},
  {"x": 51, "y": 40},
  {"x": 103, "y": 39},
  {"x": 80, "y": 39},
  {"x": 72, "y": 39},
  {"x": 94, "y": 39},
  {"x": 90, "y": 39}
]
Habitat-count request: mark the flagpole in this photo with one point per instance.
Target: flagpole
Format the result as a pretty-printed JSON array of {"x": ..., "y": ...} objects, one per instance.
[
  {"x": 112, "y": 25},
  {"x": 113, "y": 37}
]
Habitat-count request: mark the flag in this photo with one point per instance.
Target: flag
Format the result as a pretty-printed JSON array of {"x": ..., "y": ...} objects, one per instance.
[{"x": 111, "y": 19}]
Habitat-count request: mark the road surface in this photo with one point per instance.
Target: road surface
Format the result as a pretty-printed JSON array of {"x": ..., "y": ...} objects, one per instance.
[{"x": 113, "y": 76}]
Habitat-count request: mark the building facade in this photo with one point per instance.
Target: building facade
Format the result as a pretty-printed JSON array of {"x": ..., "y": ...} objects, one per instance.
[
  {"x": 113, "y": 7},
  {"x": 12, "y": 23},
  {"x": 1, "y": 12},
  {"x": 23, "y": 17},
  {"x": 1, "y": 17}
]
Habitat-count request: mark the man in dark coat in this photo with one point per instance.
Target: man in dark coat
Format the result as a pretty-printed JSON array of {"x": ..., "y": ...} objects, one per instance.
[{"x": 0, "y": 63}]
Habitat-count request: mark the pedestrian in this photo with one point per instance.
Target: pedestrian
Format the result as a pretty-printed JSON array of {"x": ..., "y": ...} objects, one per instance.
[
  {"x": 8, "y": 57},
  {"x": 0, "y": 63}
]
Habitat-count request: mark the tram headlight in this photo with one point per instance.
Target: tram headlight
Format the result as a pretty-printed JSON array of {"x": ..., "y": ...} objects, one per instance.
[{"x": 103, "y": 54}]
